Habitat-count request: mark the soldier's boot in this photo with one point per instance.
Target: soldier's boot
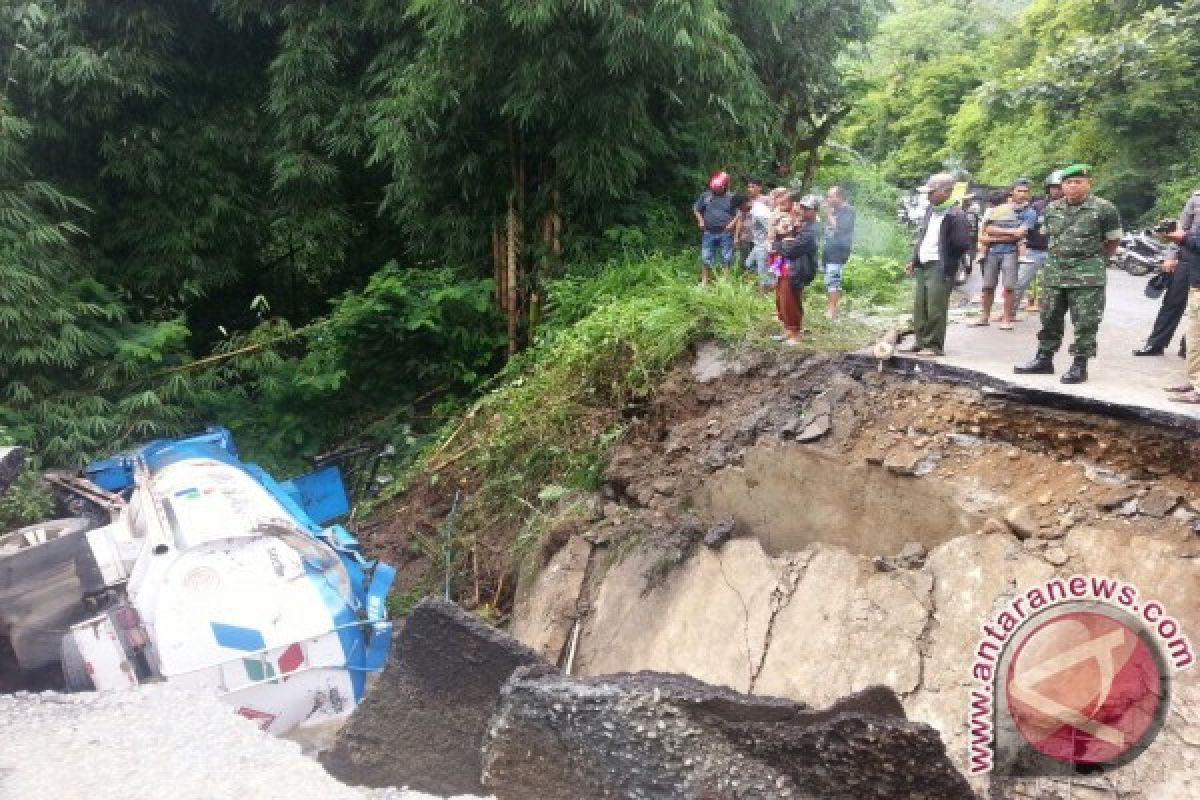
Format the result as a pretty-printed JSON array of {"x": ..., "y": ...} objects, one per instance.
[
  {"x": 1041, "y": 365},
  {"x": 1077, "y": 373}
]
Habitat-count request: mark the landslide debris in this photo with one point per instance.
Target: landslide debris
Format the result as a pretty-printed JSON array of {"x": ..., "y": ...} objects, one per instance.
[
  {"x": 423, "y": 723},
  {"x": 463, "y": 706},
  {"x": 653, "y": 736}
]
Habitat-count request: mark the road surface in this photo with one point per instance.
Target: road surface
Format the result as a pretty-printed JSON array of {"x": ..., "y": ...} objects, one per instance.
[{"x": 1116, "y": 376}]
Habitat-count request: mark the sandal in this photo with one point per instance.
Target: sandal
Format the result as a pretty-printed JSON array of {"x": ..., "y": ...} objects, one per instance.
[
  {"x": 1005, "y": 326},
  {"x": 979, "y": 323},
  {"x": 1187, "y": 387}
]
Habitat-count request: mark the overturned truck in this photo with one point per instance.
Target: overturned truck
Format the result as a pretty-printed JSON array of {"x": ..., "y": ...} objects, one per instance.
[{"x": 202, "y": 571}]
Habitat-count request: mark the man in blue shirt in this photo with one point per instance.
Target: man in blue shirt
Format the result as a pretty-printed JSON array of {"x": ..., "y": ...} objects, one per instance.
[{"x": 716, "y": 215}]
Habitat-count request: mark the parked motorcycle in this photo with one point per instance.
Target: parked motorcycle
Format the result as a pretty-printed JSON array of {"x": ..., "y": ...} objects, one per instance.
[{"x": 1142, "y": 252}]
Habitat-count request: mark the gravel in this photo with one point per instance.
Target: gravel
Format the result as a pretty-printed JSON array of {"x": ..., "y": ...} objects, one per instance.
[{"x": 153, "y": 743}]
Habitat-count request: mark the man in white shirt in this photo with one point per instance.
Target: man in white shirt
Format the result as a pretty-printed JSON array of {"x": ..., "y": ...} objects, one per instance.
[{"x": 944, "y": 236}]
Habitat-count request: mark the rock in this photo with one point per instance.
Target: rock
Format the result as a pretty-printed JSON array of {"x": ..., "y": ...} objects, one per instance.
[
  {"x": 719, "y": 532},
  {"x": 815, "y": 428},
  {"x": 1023, "y": 522},
  {"x": 747, "y": 429},
  {"x": 689, "y": 529},
  {"x": 790, "y": 426},
  {"x": 903, "y": 460},
  {"x": 966, "y": 440},
  {"x": 546, "y": 607},
  {"x": 1056, "y": 556},
  {"x": 422, "y": 724},
  {"x": 1159, "y": 502},
  {"x": 664, "y": 486},
  {"x": 1045, "y": 498},
  {"x": 912, "y": 555},
  {"x": 652, "y": 735},
  {"x": 710, "y": 365},
  {"x": 1111, "y": 499},
  {"x": 611, "y": 510},
  {"x": 12, "y": 462},
  {"x": 991, "y": 525}
]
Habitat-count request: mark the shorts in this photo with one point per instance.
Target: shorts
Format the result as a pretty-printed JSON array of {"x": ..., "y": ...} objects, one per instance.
[
  {"x": 709, "y": 245},
  {"x": 758, "y": 263},
  {"x": 833, "y": 277},
  {"x": 996, "y": 265}
]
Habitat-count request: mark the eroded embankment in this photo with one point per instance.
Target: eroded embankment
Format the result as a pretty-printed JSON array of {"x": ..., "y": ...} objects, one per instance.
[{"x": 878, "y": 522}]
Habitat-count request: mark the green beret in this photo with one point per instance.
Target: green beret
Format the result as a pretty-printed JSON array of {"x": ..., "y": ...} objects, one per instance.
[{"x": 1076, "y": 170}]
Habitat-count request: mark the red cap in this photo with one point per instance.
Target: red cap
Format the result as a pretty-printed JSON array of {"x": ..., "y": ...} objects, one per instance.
[{"x": 718, "y": 181}]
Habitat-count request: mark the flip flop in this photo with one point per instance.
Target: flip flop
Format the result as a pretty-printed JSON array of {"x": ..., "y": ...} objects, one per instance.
[
  {"x": 1005, "y": 326},
  {"x": 978, "y": 324},
  {"x": 1190, "y": 398}
]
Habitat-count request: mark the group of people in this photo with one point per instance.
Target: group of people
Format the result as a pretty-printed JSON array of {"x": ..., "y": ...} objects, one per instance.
[
  {"x": 1069, "y": 241},
  {"x": 779, "y": 240},
  {"x": 1067, "y": 237}
]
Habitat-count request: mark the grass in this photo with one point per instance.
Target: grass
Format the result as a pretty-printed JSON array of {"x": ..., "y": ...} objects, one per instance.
[{"x": 609, "y": 339}]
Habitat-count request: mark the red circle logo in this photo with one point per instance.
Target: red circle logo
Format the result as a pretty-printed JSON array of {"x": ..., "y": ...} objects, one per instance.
[{"x": 1084, "y": 688}]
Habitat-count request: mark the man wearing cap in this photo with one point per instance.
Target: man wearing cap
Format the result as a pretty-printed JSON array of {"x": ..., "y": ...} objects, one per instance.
[
  {"x": 1084, "y": 232},
  {"x": 716, "y": 215},
  {"x": 943, "y": 237},
  {"x": 1036, "y": 242},
  {"x": 1178, "y": 265}
]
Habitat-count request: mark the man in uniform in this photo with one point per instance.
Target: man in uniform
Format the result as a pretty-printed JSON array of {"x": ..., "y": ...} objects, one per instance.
[
  {"x": 1084, "y": 232},
  {"x": 1178, "y": 264}
]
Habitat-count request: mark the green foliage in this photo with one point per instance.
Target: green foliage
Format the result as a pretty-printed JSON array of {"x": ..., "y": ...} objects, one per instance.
[
  {"x": 27, "y": 501},
  {"x": 1022, "y": 90},
  {"x": 875, "y": 283},
  {"x": 608, "y": 341},
  {"x": 187, "y": 188}
]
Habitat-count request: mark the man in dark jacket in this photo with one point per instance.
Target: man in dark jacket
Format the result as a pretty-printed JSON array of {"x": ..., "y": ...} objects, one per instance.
[
  {"x": 1190, "y": 240},
  {"x": 1178, "y": 263},
  {"x": 944, "y": 235}
]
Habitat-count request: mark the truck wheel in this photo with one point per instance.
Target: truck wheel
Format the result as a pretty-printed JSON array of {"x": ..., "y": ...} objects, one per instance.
[
  {"x": 34, "y": 535},
  {"x": 75, "y": 674}
]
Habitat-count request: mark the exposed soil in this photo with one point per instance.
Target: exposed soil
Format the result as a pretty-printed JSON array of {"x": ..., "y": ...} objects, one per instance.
[{"x": 719, "y": 413}]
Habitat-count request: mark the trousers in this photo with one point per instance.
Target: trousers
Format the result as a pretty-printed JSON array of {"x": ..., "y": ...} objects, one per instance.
[
  {"x": 1193, "y": 332},
  {"x": 1174, "y": 302},
  {"x": 931, "y": 305},
  {"x": 1086, "y": 304}
]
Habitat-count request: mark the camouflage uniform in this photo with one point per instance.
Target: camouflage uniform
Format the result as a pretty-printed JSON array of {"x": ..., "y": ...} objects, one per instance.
[{"x": 1075, "y": 272}]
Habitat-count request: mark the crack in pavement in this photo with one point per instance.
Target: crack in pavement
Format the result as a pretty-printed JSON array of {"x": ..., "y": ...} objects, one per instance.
[
  {"x": 745, "y": 619},
  {"x": 922, "y": 640},
  {"x": 793, "y": 573}
]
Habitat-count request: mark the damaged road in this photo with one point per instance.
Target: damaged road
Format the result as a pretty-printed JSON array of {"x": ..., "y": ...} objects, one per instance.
[
  {"x": 464, "y": 707},
  {"x": 879, "y": 520}
]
